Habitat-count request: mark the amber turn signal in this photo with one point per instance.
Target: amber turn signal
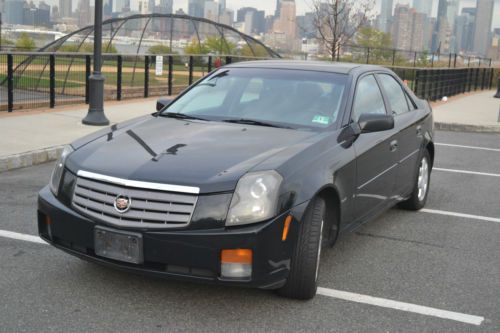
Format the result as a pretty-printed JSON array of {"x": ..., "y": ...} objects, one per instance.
[
  {"x": 240, "y": 256},
  {"x": 286, "y": 227}
]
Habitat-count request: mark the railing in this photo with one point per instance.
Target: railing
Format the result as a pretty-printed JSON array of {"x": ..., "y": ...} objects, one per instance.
[
  {"x": 31, "y": 80},
  {"x": 407, "y": 58},
  {"x": 435, "y": 83}
]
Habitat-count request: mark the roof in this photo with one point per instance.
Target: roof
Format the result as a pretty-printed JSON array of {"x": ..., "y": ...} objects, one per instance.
[{"x": 323, "y": 66}]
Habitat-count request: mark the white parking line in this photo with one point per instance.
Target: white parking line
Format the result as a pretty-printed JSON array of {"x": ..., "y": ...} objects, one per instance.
[
  {"x": 468, "y": 216},
  {"x": 408, "y": 307},
  {"x": 468, "y": 147},
  {"x": 23, "y": 237},
  {"x": 467, "y": 172},
  {"x": 344, "y": 295}
]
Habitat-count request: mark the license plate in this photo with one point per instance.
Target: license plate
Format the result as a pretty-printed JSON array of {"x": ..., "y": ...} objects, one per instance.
[{"x": 118, "y": 245}]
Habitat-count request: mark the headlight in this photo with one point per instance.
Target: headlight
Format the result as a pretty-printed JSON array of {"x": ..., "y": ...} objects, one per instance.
[
  {"x": 55, "y": 180},
  {"x": 255, "y": 198}
]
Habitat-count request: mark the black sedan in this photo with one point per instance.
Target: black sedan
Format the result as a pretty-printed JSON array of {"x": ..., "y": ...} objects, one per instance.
[{"x": 244, "y": 177}]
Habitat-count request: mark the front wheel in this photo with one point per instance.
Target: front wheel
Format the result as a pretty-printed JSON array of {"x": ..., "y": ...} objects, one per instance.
[
  {"x": 303, "y": 277},
  {"x": 420, "y": 192}
]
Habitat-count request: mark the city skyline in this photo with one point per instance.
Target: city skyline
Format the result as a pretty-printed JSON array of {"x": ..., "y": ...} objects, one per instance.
[{"x": 303, "y": 6}]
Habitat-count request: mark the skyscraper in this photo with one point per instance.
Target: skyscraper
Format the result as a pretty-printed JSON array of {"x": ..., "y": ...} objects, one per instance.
[
  {"x": 65, "y": 8},
  {"x": 121, "y": 5},
  {"x": 408, "y": 31},
  {"x": 107, "y": 8},
  {"x": 166, "y": 6},
  {"x": 211, "y": 10},
  {"x": 441, "y": 25},
  {"x": 151, "y": 6},
  {"x": 222, "y": 6},
  {"x": 196, "y": 8},
  {"x": 286, "y": 22},
  {"x": 482, "y": 32},
  {"x": 14, "y": 11},
  {"x": 385, "y": 17},
  {"x": 423, "y": 6}
]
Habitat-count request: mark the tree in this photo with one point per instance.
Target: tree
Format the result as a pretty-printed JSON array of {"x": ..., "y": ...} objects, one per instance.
[
  {"x": 195, "y": 47},
  {"x": 380, "y": 43},
  {"x": 86, "y": 48},
  {"x": 159, "y": 49},
  {"x": 25, "y": 42},
  {"x": 337, "y": 21},
  {"x": 219, "y": 45},
  {"x": 255, "y": 51}
]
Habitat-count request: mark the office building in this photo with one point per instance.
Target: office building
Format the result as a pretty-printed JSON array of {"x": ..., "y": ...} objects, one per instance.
[
  {"x": 423, "y": 6},
  {"x": 13, "y": 12},
  {"x": 65, "y": 8},
  {"x": 166, "y": 6},
  {"x": 385, "y": 17},
  {"x": 482, "y": 32},
  {"x": 408, "y": 28},
  {"x": 196, "y": 8},
  {"x": 441, "y": 27}
]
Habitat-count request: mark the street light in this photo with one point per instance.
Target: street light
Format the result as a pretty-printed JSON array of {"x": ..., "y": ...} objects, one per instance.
[{"x": 96, "y": 116}]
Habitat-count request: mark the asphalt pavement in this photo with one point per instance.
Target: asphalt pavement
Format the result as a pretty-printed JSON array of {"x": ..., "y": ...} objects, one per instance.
[{"x": 433, "y": 259}]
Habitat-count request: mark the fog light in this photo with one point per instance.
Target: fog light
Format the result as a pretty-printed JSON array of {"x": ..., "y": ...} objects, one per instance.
[{"x": 236, "y": 264}]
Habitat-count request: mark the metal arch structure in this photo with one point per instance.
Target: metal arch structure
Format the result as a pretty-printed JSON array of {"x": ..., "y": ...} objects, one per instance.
[
  {"x": 55, "y": 45},
  {"x": 115, "y": 25}
]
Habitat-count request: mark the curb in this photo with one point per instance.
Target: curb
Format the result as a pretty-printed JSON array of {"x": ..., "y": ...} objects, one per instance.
[
  {"x": 30, "y": 158},
  {"x": 467, "y": 128}
]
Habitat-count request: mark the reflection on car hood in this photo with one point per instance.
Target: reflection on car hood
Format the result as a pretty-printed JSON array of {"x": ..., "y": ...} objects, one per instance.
[{"x": 209, "y": 155}]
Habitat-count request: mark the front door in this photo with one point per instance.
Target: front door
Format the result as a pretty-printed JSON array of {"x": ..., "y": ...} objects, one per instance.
[
  {"x": 409, "y": 134},
  {"x": 376, "y": 153}
]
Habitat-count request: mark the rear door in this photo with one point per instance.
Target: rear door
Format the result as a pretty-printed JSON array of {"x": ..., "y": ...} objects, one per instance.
[
  {"x": 376, "y": 153},
  {"x": 409, "y": 136}
]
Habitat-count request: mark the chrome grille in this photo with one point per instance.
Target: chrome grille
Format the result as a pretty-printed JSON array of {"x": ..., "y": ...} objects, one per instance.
[{"x": 149, "y": 208}]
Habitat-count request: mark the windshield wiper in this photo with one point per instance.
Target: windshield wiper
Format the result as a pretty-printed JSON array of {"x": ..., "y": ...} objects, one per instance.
[
  {"x": 181, "y": 116},
  {"x": 253, "y": 122}
]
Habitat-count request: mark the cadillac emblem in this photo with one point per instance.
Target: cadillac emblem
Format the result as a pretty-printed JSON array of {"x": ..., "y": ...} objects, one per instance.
[{"x": 122, "y": 203}]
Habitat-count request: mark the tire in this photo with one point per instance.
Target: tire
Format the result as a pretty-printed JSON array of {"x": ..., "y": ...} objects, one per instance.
[
  {"x": 302, "y": 280},
  {"x": 419, "y": 195}
]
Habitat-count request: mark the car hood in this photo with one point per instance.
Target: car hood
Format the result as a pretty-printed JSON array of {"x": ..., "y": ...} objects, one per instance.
[{"x": 208, "y": 155}]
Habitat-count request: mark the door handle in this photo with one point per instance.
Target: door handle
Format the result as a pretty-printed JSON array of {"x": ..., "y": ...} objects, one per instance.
[
  {"x": 394, "y": 145},
  {"x": 419, "y": 130}
]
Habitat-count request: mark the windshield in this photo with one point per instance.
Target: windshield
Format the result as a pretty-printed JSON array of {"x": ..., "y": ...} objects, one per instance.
[{"x": 278, "y": 97}]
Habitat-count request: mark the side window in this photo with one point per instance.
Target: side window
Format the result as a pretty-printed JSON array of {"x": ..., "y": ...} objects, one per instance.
[
  {"x": 394, "y": 93},
  {"x": 368, "y": 98}
]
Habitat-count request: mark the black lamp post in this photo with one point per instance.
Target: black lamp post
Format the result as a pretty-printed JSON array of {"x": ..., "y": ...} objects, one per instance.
[{"x": 96, "y": 116}]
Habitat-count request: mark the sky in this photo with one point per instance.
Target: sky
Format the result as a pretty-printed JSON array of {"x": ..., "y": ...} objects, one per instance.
[{"x": 302, "y": 5}]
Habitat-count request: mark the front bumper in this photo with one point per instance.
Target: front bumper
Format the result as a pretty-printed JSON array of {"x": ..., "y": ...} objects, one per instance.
[{"x": 180, "y": 254}]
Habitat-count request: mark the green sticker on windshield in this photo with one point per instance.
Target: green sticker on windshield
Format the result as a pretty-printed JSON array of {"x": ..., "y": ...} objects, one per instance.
[{"x": 321, "y": 120}]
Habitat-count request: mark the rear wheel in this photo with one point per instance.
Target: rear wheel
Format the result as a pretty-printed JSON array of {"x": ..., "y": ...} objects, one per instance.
[
  {"x": 304, "y": 270},
  {"x": 418, "y": 197}
]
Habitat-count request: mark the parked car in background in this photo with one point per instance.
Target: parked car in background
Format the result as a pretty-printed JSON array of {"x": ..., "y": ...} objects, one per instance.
[{"x": 244, "y": 177}]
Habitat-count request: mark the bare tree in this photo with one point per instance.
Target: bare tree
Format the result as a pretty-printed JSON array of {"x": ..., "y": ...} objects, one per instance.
[{"x": 337, "y": 21}]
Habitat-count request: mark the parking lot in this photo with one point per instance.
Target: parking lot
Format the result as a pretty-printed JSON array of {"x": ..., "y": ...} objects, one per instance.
[{"x": 437, "y": 270}]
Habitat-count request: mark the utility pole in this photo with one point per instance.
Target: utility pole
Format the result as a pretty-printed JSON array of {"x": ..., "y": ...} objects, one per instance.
[{"x": 96, "y": 115}]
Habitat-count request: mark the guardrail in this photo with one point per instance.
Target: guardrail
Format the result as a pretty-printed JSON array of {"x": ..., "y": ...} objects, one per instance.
[{"x": 31, "y": 80}]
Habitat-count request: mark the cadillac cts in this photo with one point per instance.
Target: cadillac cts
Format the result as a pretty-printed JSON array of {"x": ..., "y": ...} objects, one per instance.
[{"x": 245, "y": 177}]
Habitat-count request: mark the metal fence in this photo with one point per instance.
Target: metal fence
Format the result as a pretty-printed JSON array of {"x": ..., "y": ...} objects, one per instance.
[
  {"x": 407, "y": 58},
  {"x": 31, "y": 80}
]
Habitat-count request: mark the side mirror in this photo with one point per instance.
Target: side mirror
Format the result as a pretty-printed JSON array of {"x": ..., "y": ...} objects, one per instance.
[
  {"x": 161, "y": 103},
  {"x": 372, "y": 122}
]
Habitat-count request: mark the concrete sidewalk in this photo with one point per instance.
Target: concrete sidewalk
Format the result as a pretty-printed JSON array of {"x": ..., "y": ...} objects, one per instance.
[
  {"x": 473, "y": 112},
  {"x": 33, "y": 137}
]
